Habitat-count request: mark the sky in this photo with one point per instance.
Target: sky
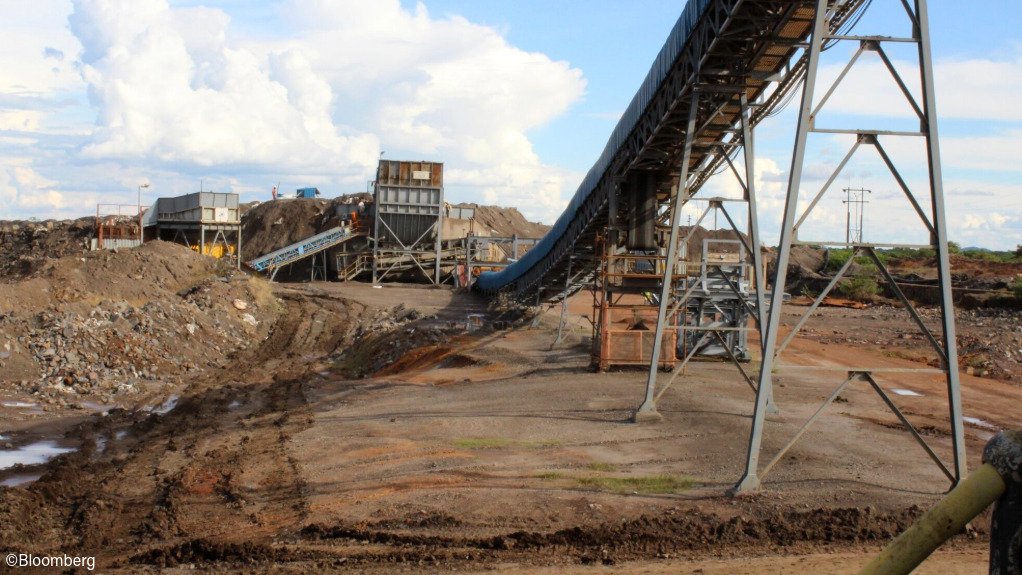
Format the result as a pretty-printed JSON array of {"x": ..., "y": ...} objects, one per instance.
[{"x": 98, "y": 97}]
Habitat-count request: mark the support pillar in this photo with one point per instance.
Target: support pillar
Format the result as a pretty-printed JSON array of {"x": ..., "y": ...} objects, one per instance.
[
  {"x": 647, "y": 411},
  {"x": 752, "y": 477}
]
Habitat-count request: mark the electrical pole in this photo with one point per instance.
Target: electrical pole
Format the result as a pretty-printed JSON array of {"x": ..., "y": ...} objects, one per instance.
[{"x": 860, "y": 202}]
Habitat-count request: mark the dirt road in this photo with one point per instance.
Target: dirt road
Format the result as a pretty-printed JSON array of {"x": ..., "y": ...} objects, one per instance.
[{"x": 493, "y": 450}]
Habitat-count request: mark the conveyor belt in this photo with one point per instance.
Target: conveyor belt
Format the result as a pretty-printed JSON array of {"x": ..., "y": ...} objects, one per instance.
[
  {"x": 302, "y": 249},
  {"x": 720, "y": 47}
]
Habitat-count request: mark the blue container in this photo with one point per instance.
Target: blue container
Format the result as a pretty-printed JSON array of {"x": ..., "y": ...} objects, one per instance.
[{"x": 308, "y": 192}]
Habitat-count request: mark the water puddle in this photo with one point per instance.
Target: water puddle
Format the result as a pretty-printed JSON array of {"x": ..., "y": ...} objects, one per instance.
[
  {"x": 101, "y": 442},
  {"x": 19, "y": 404},
  {"x": 97, "y": 407},
  {"x": 907, "y": 392},
  {"x": 234, "y": 404},
  {"x": 20, "y": 479},
  {"x": 980, "y": 423},
  {"x": 120, "y": 435},
  {"x": 32, "y": 454},
  {"x": 165, "y": 407}
]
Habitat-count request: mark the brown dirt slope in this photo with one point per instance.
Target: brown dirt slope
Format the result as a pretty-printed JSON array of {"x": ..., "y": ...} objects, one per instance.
[
  {"x": 506, "y": 222},
  {"x": 101, "y": 325},
  {"x": 272, "y": 225},
  {"x": 27, "y": 244}
]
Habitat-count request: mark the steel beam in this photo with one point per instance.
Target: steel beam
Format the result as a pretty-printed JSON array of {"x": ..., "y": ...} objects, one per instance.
[
  {"x": 763, "y": 392},
  {"x": 648, "y": 409}
]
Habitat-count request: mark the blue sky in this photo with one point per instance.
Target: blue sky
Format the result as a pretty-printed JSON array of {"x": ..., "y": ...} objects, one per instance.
[{"x": 517, "y": 98}]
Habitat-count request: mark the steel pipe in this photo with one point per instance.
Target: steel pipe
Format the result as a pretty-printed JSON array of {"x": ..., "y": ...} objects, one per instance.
[{"x": 998, "y": 479}]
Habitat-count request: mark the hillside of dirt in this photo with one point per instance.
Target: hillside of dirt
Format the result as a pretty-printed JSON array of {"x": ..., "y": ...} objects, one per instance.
[
  {"x": 506, "y": 222},
  {"x": 976, "y": 282},
  {"x": 269, "y": 226},
  {"x": 104, "y": 327},
  {"x": 27, "y": 245}
]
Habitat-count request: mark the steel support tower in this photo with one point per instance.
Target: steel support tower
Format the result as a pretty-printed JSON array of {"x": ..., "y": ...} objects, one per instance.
[{"x": 932, "y": 219}]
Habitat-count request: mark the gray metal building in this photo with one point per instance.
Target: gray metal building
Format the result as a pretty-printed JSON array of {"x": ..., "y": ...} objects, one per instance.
[
  {"x": 408, "y": 218},
  {"x": 207, "y": 222}
]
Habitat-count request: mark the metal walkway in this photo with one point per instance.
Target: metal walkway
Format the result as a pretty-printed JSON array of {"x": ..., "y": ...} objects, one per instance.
[
  {"x": 728, "y": 52},
  {"x": 272, "y": 262}
]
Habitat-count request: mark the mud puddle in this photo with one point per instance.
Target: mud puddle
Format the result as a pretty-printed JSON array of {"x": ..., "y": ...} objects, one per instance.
[
  {"x": 32, "y": 454},
  {"x": 164, "y": 408},
  {"x": 21, "y": 479}
]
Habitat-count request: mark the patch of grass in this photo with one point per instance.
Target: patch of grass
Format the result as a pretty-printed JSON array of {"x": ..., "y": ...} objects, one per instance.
[
  {"x": 501, "y": 443},
  {"x": 600, "y": 466},
  {"x": 550, "y": 475},
  {"x": 483, "y": 443},
  {"x": 647, "y": 484}
]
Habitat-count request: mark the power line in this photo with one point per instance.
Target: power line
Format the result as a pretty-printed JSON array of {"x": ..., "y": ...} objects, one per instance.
[{"x": 859, "y": 201}]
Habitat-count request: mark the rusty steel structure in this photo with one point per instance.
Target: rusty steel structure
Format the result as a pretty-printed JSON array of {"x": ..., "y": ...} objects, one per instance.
[{"x": 115, "y": 229}]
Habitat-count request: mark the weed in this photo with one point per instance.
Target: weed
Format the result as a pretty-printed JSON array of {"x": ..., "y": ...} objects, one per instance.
[
  {"x": 501, "y": 443},
  {"x": 647, "y": 484},
  {"x": 860, "y": 288},
  {"x": 550, "y": 475},
  {"x": 600, "y": 466}
]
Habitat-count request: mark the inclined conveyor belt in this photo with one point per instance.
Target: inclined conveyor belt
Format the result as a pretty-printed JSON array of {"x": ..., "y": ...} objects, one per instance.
[{"x": 725, "y": 47}]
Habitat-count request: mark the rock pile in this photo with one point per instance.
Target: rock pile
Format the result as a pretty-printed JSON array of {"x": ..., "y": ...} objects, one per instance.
[
  {"x": 110, "y": 326},
  {"x": 27, "y": 245}
]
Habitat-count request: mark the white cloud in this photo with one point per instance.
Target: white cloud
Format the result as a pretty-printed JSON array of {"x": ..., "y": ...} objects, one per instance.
[
  {"x": 38, "y": 33},
  {"x": 445, "y": 89},
  {"x": 168, "y": 86},
  {"x": 352, "y": 79},
  {"x": 978, "y": 88},
  {"x": 23, "y": 188}
]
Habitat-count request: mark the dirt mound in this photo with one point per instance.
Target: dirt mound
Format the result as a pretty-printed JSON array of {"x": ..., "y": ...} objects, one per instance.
[
  {"x": 204, "y": 551},
  {"x": 107, "y": 324},
  {"x": 272, "y": 225},
  {"x": 27, "y": 244},
  {"x": 699, "y": 234},
  {"x": 506, "y": 222},
  {"x": 643, "y": 538}
]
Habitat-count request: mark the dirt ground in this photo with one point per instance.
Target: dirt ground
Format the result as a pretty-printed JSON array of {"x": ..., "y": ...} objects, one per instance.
[{"x": 474, "y": 449}]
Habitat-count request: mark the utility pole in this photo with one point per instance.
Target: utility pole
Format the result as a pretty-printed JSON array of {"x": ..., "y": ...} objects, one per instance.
[{"x": 860, "y": 202}]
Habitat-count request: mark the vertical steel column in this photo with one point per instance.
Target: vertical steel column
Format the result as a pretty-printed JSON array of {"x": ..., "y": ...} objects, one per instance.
[
  {"x": 922, "y": 33},
  {"x": 470, "y": 241},
  {"x": 750, "y": 480},
  {"x": 647, "y": 411},
  {"x": 376, "y": 226},
  {"x": 749, "y": 149},
  {"x": 439, "y": 237},
  {"x": 238, "y": 246},
  {"x": 202, "y": 239}
]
